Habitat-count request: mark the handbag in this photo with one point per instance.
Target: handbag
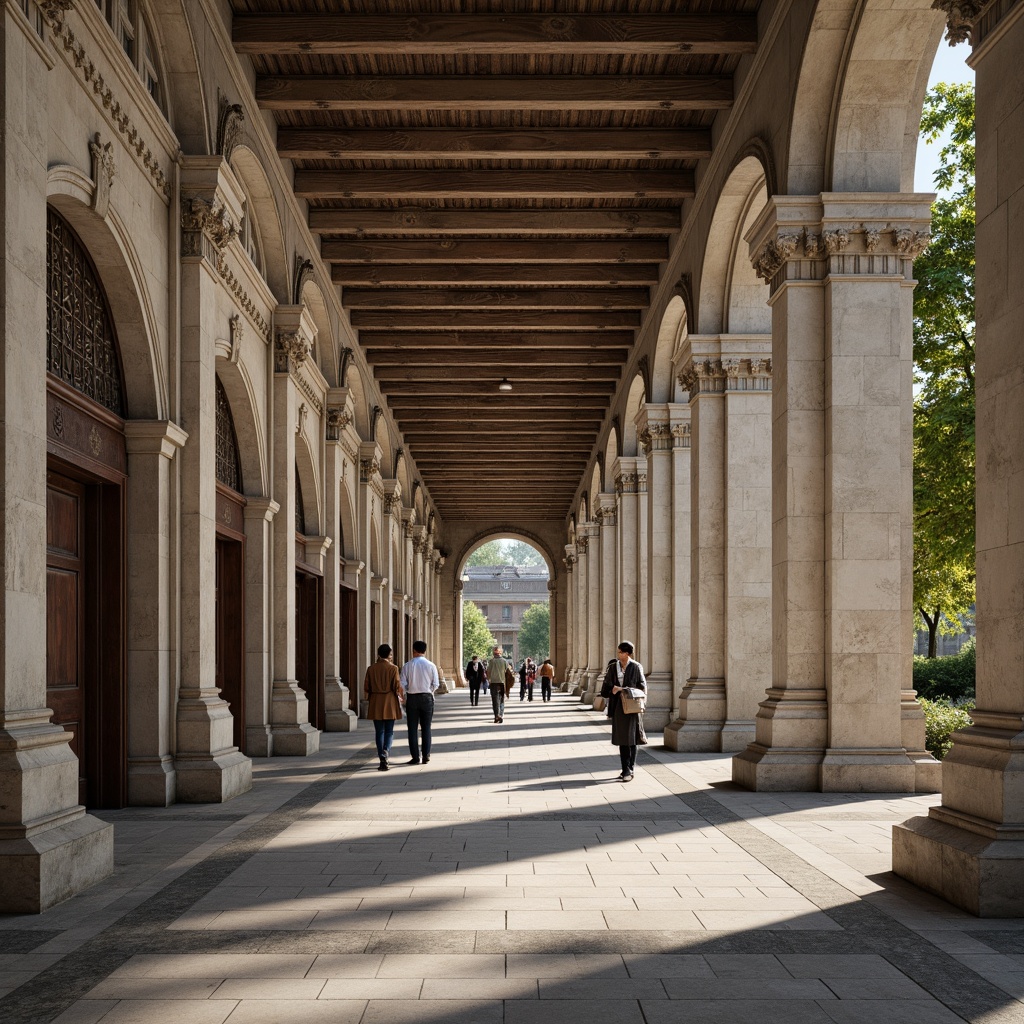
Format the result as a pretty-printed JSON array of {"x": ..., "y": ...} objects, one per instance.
[{"x": 632, "y": 705}]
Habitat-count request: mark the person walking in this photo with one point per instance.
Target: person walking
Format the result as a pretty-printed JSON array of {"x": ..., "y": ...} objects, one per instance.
[
  {"x": 522, "y": 680},
  {"x": 624, "y": 673},
  {"x": 382, "y": 689},
  {"x": 531, "y": 677},
  {"x": 547, "y": 675},
  {"x": 475, "y": 678},
  {"x": 419, "y": 681},
  {"x": 496, "y": 678}
]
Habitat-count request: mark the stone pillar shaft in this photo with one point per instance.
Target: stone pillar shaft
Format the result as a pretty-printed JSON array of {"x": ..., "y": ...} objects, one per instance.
[
  {"x": 970, "y": 850},
  {"x": 258, "y": 516},
  {"x": 627, "y": 590}
]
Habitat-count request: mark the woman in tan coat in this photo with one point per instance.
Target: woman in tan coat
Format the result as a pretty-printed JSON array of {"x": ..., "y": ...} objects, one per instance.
[{"x": 382, "y": 689}]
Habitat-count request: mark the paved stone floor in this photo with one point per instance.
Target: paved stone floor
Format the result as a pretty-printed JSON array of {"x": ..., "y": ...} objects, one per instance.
[{"x": 510, "y": 879}]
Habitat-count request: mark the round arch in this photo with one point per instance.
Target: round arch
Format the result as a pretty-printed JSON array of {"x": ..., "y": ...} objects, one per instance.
[
  {"x": 513, "y": 533},
  {"x": 308, "y": 479},
  {"x": 672, "y": 330},
  {"x": 108, "y": 243},
  {"x": 611, "y": 453},
  {"x": 323, "y": 346},
  {"x": 353, "y": 380},
  {"x": 856, "y": 130},
  {"x": 263, "y": 210},
  {"x": 634, "y": 400},
  {"x": 733, "y": 300},
  {"x": 347, "y": 547},
  {"x": 252, "y": 451},
  {"x": 183, "y": 86}
]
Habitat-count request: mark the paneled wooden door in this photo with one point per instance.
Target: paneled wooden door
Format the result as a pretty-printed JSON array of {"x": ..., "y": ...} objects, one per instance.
[
  {"x": 85, "y": 630},
  {"x": 309, "y": 644},
  {"x": 230, "y": 618},
  {"x": 347, "y": 643}
]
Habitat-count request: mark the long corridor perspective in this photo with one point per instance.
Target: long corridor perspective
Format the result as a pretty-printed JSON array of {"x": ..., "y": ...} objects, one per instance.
[{"x": 510, "y": 879}]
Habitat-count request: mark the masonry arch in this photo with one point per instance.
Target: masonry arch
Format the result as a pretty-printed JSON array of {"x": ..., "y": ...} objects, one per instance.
[
  {"x": 261, "y": 209},
  {"x": 733, "y": 300},
  {"x": 352, "y": 378},
  {"x": 121, "y": 276},
  {"x": 673, "y": 325},
  {"x": 309, "y": 482},
  {"x": 323, "y": 345},
  {"x": 252, "y": 448},
  {"x": 634, "y": 402},
  {"x": 183, "y": 87},
  {"x": 611, "y": 453}
]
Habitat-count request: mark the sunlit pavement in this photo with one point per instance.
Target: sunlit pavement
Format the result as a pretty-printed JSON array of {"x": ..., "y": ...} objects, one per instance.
[{"x": 512, "y": 878}]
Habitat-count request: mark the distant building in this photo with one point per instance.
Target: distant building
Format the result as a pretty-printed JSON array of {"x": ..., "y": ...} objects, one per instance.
[
  {"x": 503, "y": 593},
  {"x": 947, "y": 644}
]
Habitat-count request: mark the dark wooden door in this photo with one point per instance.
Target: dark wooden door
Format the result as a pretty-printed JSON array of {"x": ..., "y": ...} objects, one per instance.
[
  {"x": 230, "y": 646},
  {"x": 347, "y": 643},
  {"x": 65, "y": 613},
  {"x": 308, "y": 644},
  {"x": 396, "y": 637}
]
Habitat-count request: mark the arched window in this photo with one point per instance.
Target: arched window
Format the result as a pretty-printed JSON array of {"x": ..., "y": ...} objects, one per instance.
[
  {"x": 300, "y": 508},
  {"x": 131, "y": 25},
  {"x": 249, "y": 236},
  {"x": 229, "y": 466},
  {"x": 81, "y": 347}
]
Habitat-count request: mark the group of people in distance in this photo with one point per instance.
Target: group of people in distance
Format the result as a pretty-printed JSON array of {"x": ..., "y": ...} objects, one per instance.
[
  {"x": 388, "y": 690},
  {"x": 497, "y": 676}
]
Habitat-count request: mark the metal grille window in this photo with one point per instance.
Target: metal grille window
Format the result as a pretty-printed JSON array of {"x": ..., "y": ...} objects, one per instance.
[
  {"x": 229, "y": 467},
  {"x": 81, "y": 348},
  {"x": 506, "y": 612}
]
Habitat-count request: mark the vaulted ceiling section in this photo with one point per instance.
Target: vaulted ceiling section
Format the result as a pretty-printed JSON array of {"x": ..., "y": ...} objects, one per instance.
[{"x": 495, "y": 186}]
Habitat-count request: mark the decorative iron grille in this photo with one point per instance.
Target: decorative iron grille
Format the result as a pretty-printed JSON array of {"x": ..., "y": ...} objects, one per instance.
[
  {"x": 300, "y": 508},
  {"x": 229, "y": 466},
  {"x": 81, "y": 348}
]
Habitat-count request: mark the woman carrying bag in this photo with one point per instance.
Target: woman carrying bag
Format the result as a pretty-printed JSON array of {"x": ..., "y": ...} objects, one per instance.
[
  {"x": 625, "y": 687},
  {"x": 383, "y": 692}
]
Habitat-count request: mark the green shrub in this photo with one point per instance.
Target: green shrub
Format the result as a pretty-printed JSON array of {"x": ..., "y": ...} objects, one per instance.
[
  {"x": 951, "y": 676},
  {"x": 942, "y": 718}
]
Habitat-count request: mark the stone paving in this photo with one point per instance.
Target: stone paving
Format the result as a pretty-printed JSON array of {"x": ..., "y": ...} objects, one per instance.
[{"x": 510, "y": 879}]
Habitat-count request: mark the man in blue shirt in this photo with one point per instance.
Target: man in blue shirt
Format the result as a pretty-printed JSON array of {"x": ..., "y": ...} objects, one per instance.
[{"x": 419, "y": 680}]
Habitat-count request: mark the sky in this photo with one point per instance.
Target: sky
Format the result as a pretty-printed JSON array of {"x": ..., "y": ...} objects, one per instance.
[{"x": 950, "y": 66}]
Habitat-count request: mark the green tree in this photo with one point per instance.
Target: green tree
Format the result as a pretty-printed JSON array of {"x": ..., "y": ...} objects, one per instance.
[
  {"x": 476, "y": 637},
  {"x": 535, "y": 632},
  {"x": 944, "y": 374},
  {"x": 518, "y": 552},
  {"x": 487, "y": 554}
]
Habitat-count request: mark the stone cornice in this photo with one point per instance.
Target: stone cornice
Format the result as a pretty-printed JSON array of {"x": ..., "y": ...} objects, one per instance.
[{"x": 153, "y": 437}]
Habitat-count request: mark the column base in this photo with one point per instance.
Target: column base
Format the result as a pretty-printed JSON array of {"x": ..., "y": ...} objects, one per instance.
[
  {"x": 338, "y": 716},
  {"x": 973, "y": 871},
  {"x": 342, "y": 720},
  {"x": 660, "y": 691},
  {"x": 765, "y": 770},
  {"x": 737, "y": 734},
  {"x": 701, "y": 717},
  {"x": 152, "y": 781},
  {"x": 867, "y": 771},
  {"x": 42, "y": 870},
  {"x": 213, "y": 778},
  {"x": 259, "y": 742},
  {"x": 299, "y": 740}
]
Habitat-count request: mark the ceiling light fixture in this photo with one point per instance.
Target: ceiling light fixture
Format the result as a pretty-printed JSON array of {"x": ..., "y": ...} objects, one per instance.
[{"x": 505, "y": 384}]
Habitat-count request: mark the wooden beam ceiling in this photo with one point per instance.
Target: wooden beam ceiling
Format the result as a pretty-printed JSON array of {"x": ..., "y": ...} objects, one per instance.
[{"x": 495, "y": 194}]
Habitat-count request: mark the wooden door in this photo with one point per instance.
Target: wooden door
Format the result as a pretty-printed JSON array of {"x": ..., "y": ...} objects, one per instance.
[
  {"x": 347, "y": 644},
  {"x": 308, "y": 644},
  {"x": 65, "y": 614},
  {"x": 228, "y": 600},
  {"x": 396, "y": 637}
]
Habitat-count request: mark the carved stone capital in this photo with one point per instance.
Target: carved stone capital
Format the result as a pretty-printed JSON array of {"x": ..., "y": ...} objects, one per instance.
[
  {"x": 206, "y": 227},
  {"x": 773, "y": 254},
  {"x": 102, "y": 154},
  {"x": 960, "y": 17},
  {"x": 336, "y": 419},
  {"x": 835, "y": 240},
  {"x": 705, "y": 376},
  {"x": 368, "y": 468},
  {"x": 681, "y": 435},
  {"x": 54, "y": 10},
  {"x": 910, "y": 243},
  {"x": 291, "y": 348},
  {"x": 748, "y": 374},
  {"x": 625, "y": 483}
]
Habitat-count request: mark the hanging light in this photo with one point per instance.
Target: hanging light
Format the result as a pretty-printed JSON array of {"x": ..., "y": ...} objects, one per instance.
[{"x": 505, "y": 384}]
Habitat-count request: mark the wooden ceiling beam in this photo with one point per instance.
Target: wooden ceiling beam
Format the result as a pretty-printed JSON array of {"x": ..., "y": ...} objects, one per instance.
[
  {"x": 497, "y": 274},
  {"x": 474, "y": 298},
  {"x": 417, "y": 359},
  {"x": 490, "y": 319},
  {"x": 483, "y": 250},
  {"x": 493, "y": 144},
  {"x": 496, "y": 183},
  {"x": 401, "y": 341},
  {"x": 603, "y": 384},
  {"x": 425, "y": 33},
  {"x": 412, "y": 220},
  {"x": 494, "y": 92}
]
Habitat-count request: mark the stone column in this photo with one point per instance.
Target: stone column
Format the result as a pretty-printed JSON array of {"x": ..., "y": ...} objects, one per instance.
[
  {"x": 840, "y": 273},
  {"x": 293, "y": 735},
  {"x": 566, "y": 671},
  {"x": 210, "y": 768},
  {"x": 337, "y": 697},
  {"x": 658, "y": 660},
  {"x": 970, "y": 850},
  {"x": 607, "y": 529},
  {"x": 595, "y": 646},
  {"x": 151, "y": 446},
  {"x": 582, "y": 610},
  {"x": 627, "y": 592},
  {"x": 369, "y": 478},
  {"x": 702, "y": 699},
  {"x": 642, "y": 640},
  {"x": 258, "y": 516},
  {"x": 50, "y": 848}
]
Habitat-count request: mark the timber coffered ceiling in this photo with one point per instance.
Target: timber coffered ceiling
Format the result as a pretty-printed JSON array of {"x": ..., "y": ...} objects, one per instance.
[{"x": 495, "y": 186}]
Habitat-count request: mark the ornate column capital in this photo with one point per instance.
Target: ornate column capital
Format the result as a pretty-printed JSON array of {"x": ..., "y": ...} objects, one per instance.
[
  {"x": 293, "y": 337},
  {"x": 369, "y": 461},
  {"x": 960, "y": 17},
  {"x": 211, "y": 207},
  {"x": 604, "y": 510},
  {"x": 703, "y": 377}
]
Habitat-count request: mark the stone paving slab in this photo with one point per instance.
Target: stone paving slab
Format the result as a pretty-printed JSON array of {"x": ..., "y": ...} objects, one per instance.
[{"x": 510, "y": 880}]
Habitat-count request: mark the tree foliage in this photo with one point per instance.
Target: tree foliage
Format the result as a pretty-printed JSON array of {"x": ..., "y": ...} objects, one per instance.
[
  {"x": 487, "y": 554},
  {"x": 535, "y": 632},
  {"x": 518, "y": 552},
  {"x": 476, "y": 637},
  {"x": 944, "y": 374}
]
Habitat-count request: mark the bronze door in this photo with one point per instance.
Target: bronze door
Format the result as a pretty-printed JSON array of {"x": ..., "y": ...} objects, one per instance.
[{"x": 229, "y": 618}]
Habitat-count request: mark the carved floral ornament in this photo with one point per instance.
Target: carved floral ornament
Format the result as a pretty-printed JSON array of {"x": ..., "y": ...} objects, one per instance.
[
  {"x": 368, "y": 468},
  {"x": 291, "y": 346},
  {"x": 878, "y": 239},
  {"x": 960, "y": 17},
  {"x": 655, "y": 437},
  {"x": 205, "y": 218},
  {"x": 625, "y": 483},
  {"x": 102, "y": 154},
  {"x": 336, "y": 420},
  {"x": 681, "y": 435}
]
